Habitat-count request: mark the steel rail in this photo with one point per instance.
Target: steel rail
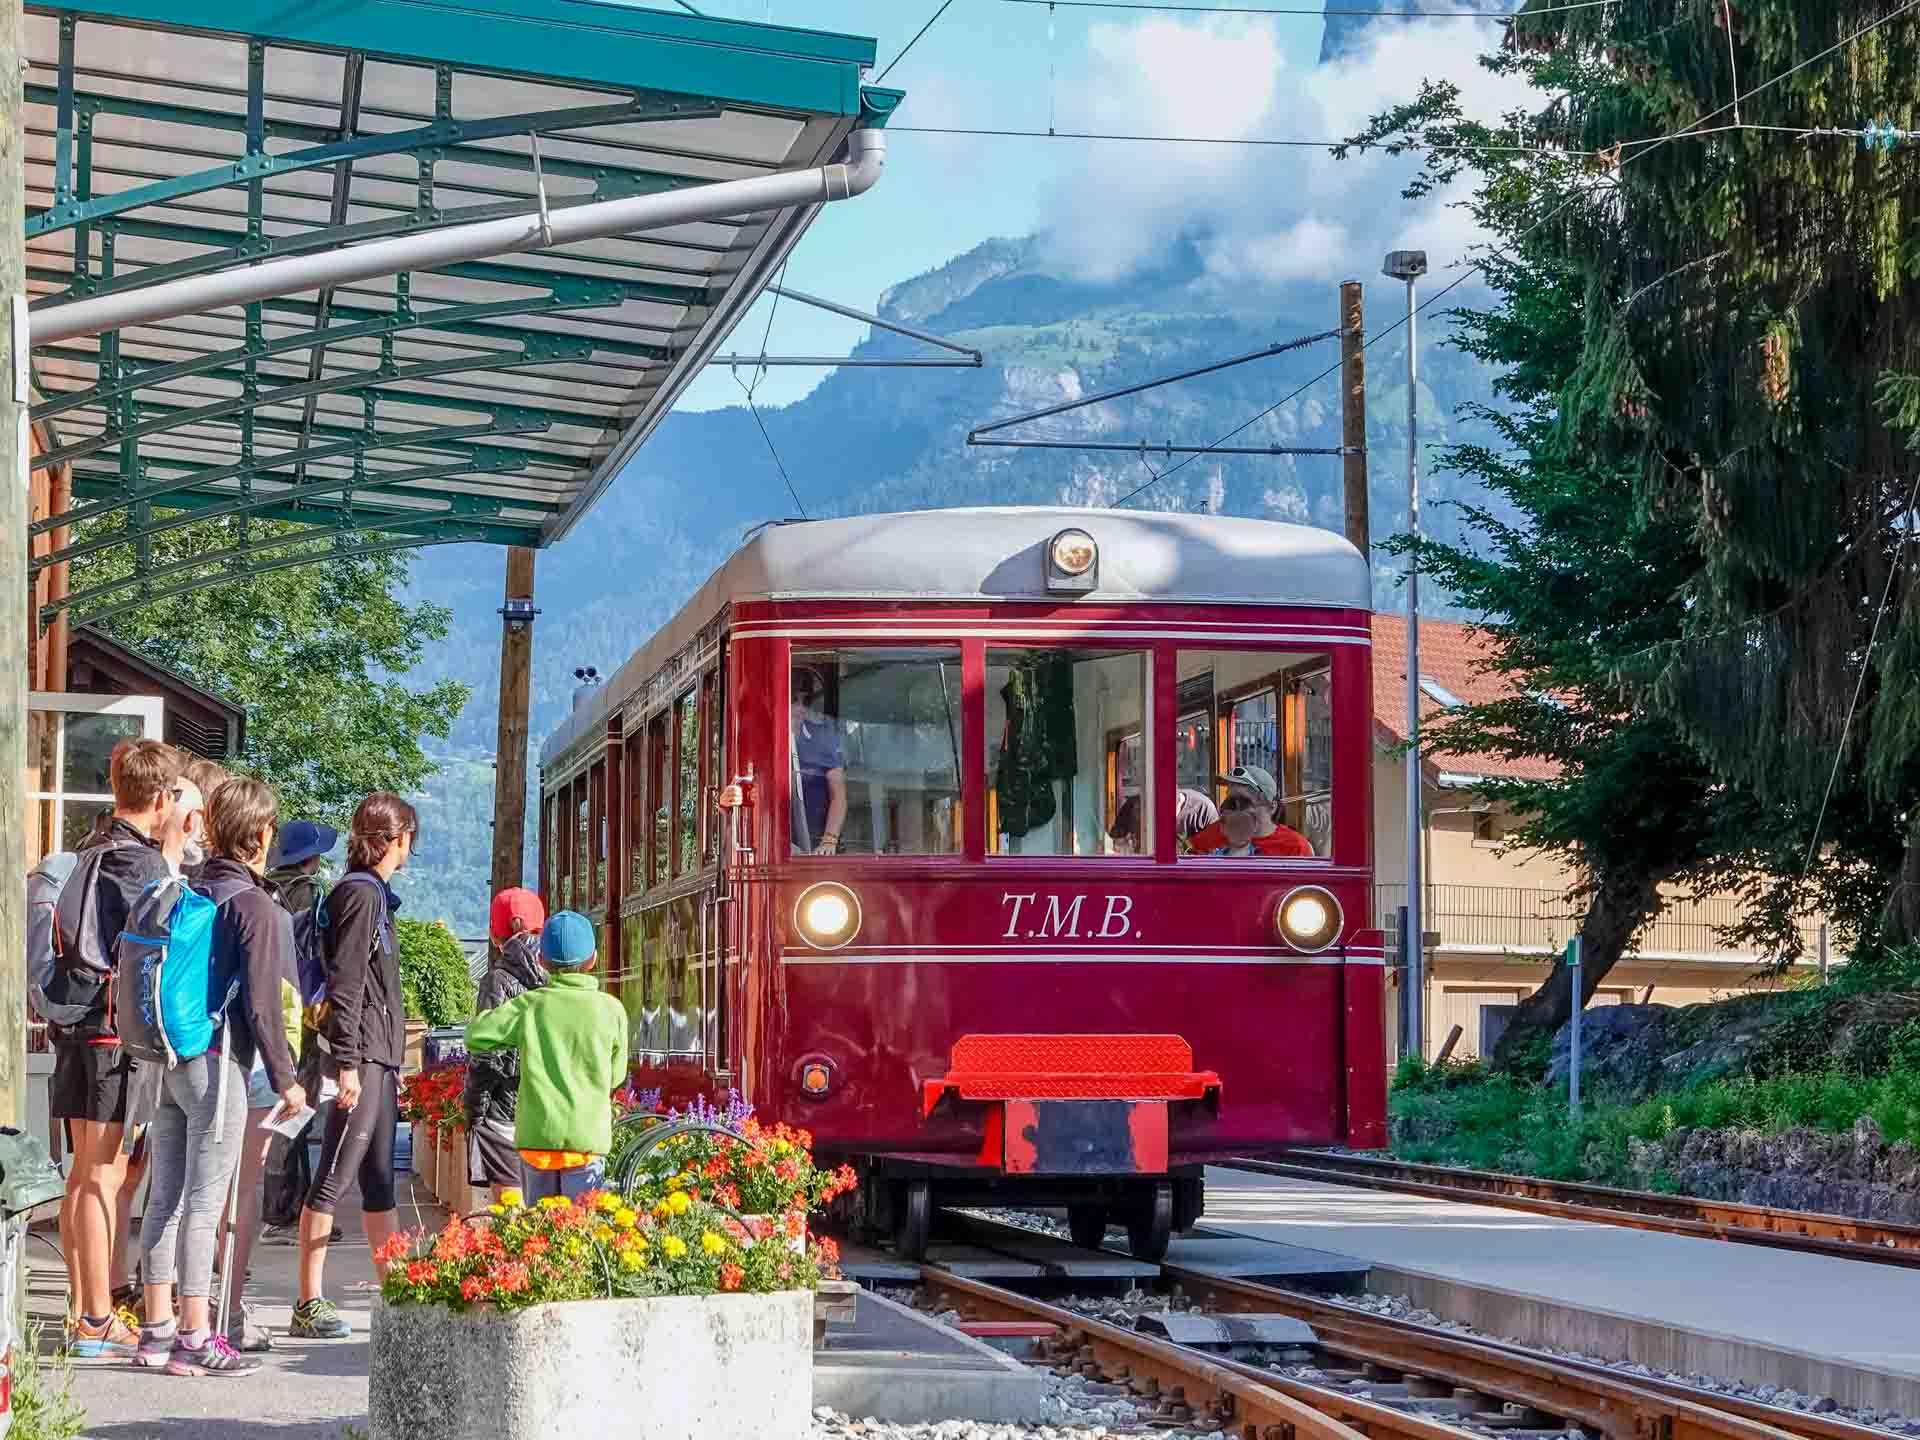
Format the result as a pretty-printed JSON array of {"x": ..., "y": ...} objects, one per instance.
[
  {"x": 1835, "y": 1236},
  {"x": 1253, "y": 1409},
  {"x": 1618, "y": 1407}
]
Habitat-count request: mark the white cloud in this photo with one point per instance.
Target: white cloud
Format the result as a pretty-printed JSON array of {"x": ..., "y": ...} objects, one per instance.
[{"x": 1259, "y": 215}]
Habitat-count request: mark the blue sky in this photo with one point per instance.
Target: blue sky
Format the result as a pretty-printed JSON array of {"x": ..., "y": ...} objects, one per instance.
[{"x": 1274, "y": 215}]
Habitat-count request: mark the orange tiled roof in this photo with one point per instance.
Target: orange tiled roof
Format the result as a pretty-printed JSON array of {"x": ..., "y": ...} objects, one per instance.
[{"x": 1453, "y": 656}]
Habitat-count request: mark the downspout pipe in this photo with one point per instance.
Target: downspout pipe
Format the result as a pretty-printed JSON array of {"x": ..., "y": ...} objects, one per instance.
[{"x": 297, "y": 274}]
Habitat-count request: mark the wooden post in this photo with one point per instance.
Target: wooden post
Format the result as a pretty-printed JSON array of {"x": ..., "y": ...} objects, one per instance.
[
  {"x": 1353, "y": 413},
  {"x": 1446, "y": 1050},
  {"x": 60, "y": 486},
  {"x": 510, "y": 748},
  {"x": 15, "y": 622}
]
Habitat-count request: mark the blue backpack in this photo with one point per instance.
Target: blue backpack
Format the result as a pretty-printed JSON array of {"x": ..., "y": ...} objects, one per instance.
[{"x": 168, "y": 1011}]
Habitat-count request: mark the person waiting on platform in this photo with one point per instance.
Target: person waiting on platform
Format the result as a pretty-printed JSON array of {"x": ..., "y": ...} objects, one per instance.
[
  {"x": 572, "y": 1043},
  {"x": 1247, "y": 825},
  {"x": 819, "y": 767}
]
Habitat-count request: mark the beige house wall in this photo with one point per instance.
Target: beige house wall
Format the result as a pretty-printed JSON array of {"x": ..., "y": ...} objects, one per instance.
[{"x": 1499, "y": 919}]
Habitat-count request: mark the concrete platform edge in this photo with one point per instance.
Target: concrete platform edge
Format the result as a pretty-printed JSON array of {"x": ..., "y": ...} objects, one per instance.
[
  {"x": 1534, "y": 1320},
  {"x": 994, "y": 1388}
]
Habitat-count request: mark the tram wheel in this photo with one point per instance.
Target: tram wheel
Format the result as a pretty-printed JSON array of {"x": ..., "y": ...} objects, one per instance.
[
  {"x": 912, "y": 1220},
  {"x": 1150, "y": 1226},
  {"x": 1087, "y": 1224}
]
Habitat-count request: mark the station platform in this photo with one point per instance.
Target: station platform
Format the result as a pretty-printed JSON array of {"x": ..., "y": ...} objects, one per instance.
[{"x": 1842, "y": 1328}]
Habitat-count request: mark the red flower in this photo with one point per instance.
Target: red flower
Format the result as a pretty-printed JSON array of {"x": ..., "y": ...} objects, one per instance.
[
  {"x": 829, "y": 1251},
  {"x": 422, "y": 1272},
  {"x": 715, "y": 1168},
  {"x": 509, "y": 1278},
  {"x": 454, "y": 1243},
  {"x": 728, "y": 1195},
  {"x": 731, "y": 1275},
  {"x": 472, "y": 1288},
  {"x": 787, "y": 1170},
  {"x": 393, "y": 1247},
  {"x": 794, "y": 1224},
  {"x": 534, "y": 1247}
]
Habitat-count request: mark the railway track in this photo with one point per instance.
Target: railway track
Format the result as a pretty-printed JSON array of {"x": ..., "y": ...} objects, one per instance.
[
  {"x": 1836, "y": 1236},
  {"x": 1378, "y": 1377}
]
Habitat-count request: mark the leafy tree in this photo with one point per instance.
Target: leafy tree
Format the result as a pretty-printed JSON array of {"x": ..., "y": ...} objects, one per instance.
[
  {"x": 316, "y": 654},
  {"x": 1751, "y": 284}
]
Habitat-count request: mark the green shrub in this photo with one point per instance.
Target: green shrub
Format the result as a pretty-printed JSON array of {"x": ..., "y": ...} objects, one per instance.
[
  {"x": 44, "y": 1407},
  {"x": 435, "y": 984}
]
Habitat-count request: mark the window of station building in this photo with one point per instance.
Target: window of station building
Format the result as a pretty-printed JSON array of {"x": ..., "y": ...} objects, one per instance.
[
  {"x": 661, "y": 839},
  {"x": 686, "y": 788},
  {"x": 874, "y": 750},
  {"x": 1268, "y": 718},
  {"x": 1068, "y": 751}
]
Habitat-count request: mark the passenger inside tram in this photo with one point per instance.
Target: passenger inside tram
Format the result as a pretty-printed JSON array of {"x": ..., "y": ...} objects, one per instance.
[
  {"x": 876, "y": 751},
  {"x": 1247, "y": 825}
]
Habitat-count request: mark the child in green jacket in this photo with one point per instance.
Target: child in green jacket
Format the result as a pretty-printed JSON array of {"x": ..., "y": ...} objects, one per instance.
[{"x": 572, "y": 1041}]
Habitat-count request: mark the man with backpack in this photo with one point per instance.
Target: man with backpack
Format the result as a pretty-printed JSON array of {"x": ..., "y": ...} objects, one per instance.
[{"x": 91, "y": 1075}]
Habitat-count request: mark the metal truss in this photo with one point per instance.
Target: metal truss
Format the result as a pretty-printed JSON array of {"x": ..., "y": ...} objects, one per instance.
[
  {"x": 977, "y": 436},
  {"x": 489, "y": 394},
  {"x": 967, "y": 357}
]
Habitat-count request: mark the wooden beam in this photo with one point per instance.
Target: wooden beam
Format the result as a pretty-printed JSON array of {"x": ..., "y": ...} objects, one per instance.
[
  {"x": 510, "y": 749},
  {"x": 15, "y": 621},
  {"x": 1353, "y": 413}
]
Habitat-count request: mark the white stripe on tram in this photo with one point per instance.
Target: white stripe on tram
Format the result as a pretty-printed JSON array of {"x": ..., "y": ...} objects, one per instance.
[{"x": 815, "y": 957}]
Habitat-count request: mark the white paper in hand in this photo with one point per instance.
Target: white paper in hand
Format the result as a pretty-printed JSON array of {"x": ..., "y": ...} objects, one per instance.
[{"x": 287, "y": 1123}]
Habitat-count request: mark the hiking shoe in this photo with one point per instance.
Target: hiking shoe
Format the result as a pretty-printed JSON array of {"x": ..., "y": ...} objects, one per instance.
[
  {"x": 280, "y": 1235},
  {"x": 213, "y": 1356},
  {"x": 318, "y": 1320},
  {"x": 110, "y": 1339},
  {"x": 128, "y": 1302},
  {"x": 247, "y": 1337}
]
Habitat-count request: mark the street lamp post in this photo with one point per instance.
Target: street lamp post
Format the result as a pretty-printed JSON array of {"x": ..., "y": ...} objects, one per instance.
[{"x": 1409, "y": 266}]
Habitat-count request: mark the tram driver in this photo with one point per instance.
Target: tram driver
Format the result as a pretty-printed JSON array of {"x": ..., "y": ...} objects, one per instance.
[
  {"x": 819, "y": 767},
  {"x": 1247, "y": 823}
]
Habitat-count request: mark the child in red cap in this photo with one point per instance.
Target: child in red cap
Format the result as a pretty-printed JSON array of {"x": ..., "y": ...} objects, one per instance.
[{"x": 515, "y": 921}]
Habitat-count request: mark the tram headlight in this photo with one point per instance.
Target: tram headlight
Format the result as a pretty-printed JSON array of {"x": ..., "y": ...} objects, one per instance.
[
  {"x": 1073, "y": 560},
  {"x": 827, "y": 915},
  {"x": 1308, "y": 918}
]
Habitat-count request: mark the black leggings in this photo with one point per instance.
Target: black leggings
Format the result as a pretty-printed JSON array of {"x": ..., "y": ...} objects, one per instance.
[{"x": 360, "y": 1139}]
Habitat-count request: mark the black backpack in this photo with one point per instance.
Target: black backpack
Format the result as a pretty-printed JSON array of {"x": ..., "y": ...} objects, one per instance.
[{"x": 83, "y": 958}]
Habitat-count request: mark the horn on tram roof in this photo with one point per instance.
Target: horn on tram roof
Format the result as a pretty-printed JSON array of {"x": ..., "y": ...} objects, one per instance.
[{"x": 589, "y": 680}]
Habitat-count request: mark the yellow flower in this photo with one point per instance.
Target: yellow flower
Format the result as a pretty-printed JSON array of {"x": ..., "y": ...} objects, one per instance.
[
  {"x": 555, "y": 1202},
  {"x": 712, "y": 1243},
  {"x": 603, "y": 1233},
  {"x": 511, "y": 1196},
  {"x": 607, "y": 1203},
  {"x": 678, "y": 1203},
  {"x": 631, "y": 1260},
  {"x": 625, "y": 1218},
  {"x": 660, "y": 1211},
  {"x": 674, "y": 1246},
  {"x": 674, "y": 1182},
  {"x": 573, "y": 1247},
  {"x": 498, "y": 1209}
]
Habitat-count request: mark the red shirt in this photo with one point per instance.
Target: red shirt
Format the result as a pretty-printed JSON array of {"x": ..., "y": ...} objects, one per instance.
[{"x": 1213, "y": 840}]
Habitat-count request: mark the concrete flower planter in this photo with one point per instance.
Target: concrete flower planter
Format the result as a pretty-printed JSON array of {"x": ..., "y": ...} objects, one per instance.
[{"x": 711, "y": 1367}]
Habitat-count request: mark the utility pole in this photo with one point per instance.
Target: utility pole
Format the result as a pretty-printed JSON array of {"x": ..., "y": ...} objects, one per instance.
[
  {"x": 1353, "y": 415},
  {"x": 15, "y": 428},
  {"x": 1410, "y": 265},
  {"x": 510, "y": 745}
]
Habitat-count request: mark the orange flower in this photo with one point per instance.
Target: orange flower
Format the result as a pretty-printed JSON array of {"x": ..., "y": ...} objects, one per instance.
[
  {"x": 472, "y": 1288},
  {"x": 393, "y": 1247},
  {"x": 829, "y": 1251},
  {"x": 787, "y": 1170},
  {"x": 731, "y": 1275},
  {"x": 534, "y": 1246},
  {"x": 715, "y": 1168},
  {"x": 422, "y": 1272},
  {"x": 728, "y": 1195},
  {"x": 794, "y": 1224}
]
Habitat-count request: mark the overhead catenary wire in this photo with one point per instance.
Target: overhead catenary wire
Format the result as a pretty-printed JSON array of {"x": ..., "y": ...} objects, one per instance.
[
  {"x": 1257, "y": 141},
  {"x": 1410, "y": 13},
  {"x": 748, "y": 389},
  {"x": 913, "y": 42}
]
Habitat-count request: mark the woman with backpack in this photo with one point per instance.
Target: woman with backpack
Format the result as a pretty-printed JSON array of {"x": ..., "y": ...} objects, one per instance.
[
  {"x": 361, "y": 1030},
  {"x": 200, "y": 1126}
]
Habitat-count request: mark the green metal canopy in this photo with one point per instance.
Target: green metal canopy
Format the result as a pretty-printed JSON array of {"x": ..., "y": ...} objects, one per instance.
[{"x": 176, "y": 145}]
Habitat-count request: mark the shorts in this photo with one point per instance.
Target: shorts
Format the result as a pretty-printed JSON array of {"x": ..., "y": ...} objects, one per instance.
[
  {"x": 90, "y": 1082},
  {"x": 358, "y": 1145},
  {"x": 538, "y": 1185},
  {"x": 260, "y": 1092},
  {"x": 492, "y": 1157}
]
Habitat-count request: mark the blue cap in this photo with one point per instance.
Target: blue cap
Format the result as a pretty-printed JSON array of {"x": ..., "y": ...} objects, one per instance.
[
  {"x": 301, "y": 840},
  {"x": 568, "y": 940}
]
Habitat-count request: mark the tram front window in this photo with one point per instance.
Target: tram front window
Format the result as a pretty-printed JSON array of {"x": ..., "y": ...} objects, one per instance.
[
  {"x": 874, "y": 751},
  {"x": 1265, "y": 721},
  {"x": 1067, "y": 751}
]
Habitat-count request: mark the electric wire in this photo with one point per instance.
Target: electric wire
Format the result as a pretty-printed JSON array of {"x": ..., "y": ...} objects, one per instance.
[
  {"x": 1252, "y": 140},
  {"x": 1412, "y": 13},
  {"x": 766, "y": 336},
  {"x": 913, "y": 42},
  {"x": 1472, "y": 268}
]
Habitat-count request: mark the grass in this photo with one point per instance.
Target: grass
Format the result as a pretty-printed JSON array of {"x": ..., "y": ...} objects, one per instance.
[
  {"x": 44, "y": 1407},
  {"x": 1467, "y": 1114}
]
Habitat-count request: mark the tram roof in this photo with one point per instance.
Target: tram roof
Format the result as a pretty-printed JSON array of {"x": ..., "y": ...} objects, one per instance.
[{"x": 995, "y": 554}]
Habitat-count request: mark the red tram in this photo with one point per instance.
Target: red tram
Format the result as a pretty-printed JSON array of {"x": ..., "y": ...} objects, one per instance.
[{"x": 887, "y": 829}]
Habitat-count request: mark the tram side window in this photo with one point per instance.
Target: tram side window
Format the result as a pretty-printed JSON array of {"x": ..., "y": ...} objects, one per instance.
[
  {"x": 662, "y": 825},
  {"x": 686, "y": 723},
  {"x": 874, "y": 751},
  {"x": 1067, "y": 751},
  {"x": 634, "y": 811},
  {"x": 1254, "y": 745}
]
